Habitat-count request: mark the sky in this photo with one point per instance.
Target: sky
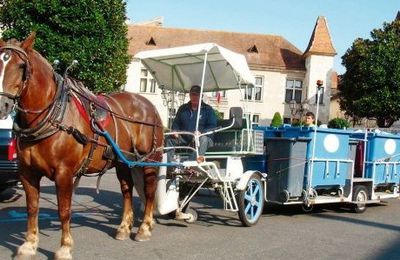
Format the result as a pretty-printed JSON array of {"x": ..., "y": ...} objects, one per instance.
[{"x": 292, "y": 19}]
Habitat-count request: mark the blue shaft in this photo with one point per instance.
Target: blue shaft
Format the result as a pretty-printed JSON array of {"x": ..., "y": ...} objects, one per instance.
[{"x": 132, "y": 164}]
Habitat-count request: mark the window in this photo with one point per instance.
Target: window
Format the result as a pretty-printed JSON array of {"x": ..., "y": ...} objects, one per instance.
[
  {"x": 147, "y": 83},
  {"x": 255, "y": 93},
  {"x": 321, "y": 96},
  {"x": 256, "y": 118},
  {"x": 248, "y": 93},
  {"x": 294, "y": 89}
]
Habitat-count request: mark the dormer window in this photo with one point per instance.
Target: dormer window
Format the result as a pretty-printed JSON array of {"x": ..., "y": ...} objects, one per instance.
[
  {"x": 253, "y": 49},
  {"x": 151, "y": 42}
]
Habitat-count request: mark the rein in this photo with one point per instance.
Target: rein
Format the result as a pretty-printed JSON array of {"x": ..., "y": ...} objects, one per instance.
[{"x": 124, "y": 118}]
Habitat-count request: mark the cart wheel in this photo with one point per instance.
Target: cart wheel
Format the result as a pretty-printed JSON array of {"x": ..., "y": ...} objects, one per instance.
[
  {"x": 360, "y": 195},
  {"x": 307, "y": 208},
  {"x": 192, "y": 215},
  {"x": 251, "y": 201}
]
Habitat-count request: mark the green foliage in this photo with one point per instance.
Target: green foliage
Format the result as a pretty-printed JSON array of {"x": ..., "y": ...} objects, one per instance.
[
  {"x": 339, "y": 123},
  {"x": 277, "y": 120},
  {"x": 298, "y": 122},
  {"x": 371, "y": 85},
  {"x": 219, "y": 115},
  {"x": 91, "y": 31}
]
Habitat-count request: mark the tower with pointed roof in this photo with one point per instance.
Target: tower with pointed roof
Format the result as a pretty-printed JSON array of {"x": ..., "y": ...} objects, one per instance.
[{"x": 319, "y": 57}]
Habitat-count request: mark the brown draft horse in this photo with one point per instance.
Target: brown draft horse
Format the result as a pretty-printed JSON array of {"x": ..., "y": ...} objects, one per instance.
[{"x": 52, "y": 141}]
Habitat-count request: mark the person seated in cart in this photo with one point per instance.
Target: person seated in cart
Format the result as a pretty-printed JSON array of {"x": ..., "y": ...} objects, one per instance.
[
  {"x": 185, "y": 120},
  {"x": 310, "y": 119}
]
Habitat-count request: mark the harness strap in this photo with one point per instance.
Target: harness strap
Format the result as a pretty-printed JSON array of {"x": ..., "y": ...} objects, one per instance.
[
  {"x": 54, "y": 117},
  {"x": 86, "y": 163}
]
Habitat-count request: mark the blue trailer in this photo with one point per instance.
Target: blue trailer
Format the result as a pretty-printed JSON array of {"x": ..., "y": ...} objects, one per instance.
[
  {"x": 379, "y": 159},
  {"x": 313, "y": 165}
]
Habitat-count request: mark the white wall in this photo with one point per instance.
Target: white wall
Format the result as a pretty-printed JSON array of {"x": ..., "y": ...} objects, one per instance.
[
  {"x": 133, "y": 85},
  {"x": 319, "y": 68}
]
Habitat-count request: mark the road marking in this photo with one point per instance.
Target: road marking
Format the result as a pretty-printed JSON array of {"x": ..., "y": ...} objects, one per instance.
[{"x": 15, "y": 216}]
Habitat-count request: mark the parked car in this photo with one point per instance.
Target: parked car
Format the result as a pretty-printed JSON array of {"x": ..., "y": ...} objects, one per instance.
[{"x": 8, "y": 155}]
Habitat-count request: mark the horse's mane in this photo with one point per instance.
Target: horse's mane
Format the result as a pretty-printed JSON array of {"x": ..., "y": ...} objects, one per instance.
[
  {"x": 13, "y": 42},
  {"x": 42, "y": 59}
]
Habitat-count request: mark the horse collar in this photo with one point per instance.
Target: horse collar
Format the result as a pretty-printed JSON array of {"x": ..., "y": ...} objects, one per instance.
[{"x": 49, "y": 125}]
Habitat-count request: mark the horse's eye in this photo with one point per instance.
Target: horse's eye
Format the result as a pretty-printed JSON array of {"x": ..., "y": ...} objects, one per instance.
[{"x": 5, "y": 56}]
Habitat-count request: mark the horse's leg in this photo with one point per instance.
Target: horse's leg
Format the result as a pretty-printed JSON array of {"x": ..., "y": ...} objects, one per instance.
[
  {"x": 31, "y": 184},
  {"x": 64, "y": 189},
  {"x": 126, "y": 183},
  {"x": 150, "y": 185}
]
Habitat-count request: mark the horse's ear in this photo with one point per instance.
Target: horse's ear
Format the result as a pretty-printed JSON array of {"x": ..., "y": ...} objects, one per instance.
[{"x": 27, "y": 45}]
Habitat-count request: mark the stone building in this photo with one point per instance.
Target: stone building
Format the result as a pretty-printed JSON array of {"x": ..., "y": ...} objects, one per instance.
[{"x": 284, "y": 74}]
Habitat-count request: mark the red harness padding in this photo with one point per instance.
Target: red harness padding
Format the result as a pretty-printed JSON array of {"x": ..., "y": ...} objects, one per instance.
[{"x": 83, "y": 110}]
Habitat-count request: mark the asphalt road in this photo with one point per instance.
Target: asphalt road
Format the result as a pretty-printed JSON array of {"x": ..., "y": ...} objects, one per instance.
[{"x": 329, "y": 232}]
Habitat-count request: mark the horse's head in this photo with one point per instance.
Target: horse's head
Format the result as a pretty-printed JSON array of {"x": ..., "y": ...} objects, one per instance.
[{"x": 14, "y": 71}]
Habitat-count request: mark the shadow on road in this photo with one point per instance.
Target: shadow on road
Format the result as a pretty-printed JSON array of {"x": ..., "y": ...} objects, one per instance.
[{"x": 99, "y": 211}]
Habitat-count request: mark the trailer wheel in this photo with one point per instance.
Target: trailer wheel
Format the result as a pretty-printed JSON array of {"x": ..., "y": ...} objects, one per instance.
[
  {"x": 193, "y": 215},
  {"x": 251, "y": 201},
  {"x": 307, "y": 208},
  {"x": 360, "y": 195}
]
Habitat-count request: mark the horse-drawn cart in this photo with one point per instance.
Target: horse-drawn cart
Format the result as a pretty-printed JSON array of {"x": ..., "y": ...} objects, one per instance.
[{"x": 214, "y": 68}]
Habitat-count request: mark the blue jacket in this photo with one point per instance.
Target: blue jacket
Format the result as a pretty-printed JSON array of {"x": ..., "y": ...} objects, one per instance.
[{"x": 185, "y": 119}]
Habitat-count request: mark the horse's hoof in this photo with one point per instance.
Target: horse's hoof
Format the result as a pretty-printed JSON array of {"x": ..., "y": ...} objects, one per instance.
[
  {"x": 25, "y": 257},
  {"x": 121, "y": 235},
  {"x": 143, "y": 236},
  {"x": 64, "y": 253},
  {"x": 26, "y": 251}
]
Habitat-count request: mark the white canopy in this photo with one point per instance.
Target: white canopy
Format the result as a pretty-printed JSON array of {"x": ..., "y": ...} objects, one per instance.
[{"x": 182, "y": 67}]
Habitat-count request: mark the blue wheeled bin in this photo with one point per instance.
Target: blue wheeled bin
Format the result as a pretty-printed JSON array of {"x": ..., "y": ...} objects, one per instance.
[
  {"x": 307, "y": 157},
  {"x": 382, "y": 159},
  {"x": 330, "y": 161},
  {"x": 285, "y": 167}
]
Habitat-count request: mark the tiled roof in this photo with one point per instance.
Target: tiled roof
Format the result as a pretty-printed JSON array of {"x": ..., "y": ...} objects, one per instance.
[
  {"x": 261, "y": 51},
  {"x": 320, "y": 42}
]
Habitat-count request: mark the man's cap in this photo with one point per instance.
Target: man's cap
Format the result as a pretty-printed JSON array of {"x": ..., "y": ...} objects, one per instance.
[{"x": 195, "y": 89}]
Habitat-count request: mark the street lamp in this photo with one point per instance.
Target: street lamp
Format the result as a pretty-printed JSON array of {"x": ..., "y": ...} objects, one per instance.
[
  {"x": 172, "y": 99},
  {"x": 181, "y": 97},
  {"x": 304, "y": 107}
]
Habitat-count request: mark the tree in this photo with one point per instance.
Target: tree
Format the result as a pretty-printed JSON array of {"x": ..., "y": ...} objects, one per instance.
[
  {"x": 370, "y": 87},
  {"x": 339, "y": 123},
  {"x": 93, "y": 32},
  {"x": 277, "y": 120}
]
